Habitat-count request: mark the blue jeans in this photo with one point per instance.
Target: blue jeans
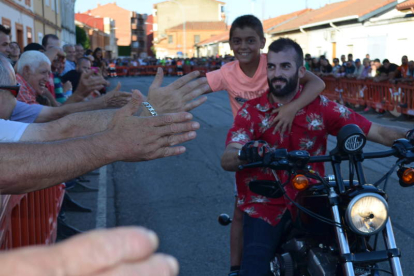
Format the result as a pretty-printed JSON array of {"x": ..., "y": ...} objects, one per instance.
[{"x": 260, "y": 241}]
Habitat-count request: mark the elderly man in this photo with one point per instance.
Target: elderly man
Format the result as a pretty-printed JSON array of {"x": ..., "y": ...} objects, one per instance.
[
  {"x": 4, "y": 41},
  {"x": 70, "y": 58}
]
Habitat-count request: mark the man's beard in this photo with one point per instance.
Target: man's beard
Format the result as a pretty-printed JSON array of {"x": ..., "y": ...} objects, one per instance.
[{"x": 290, "y": 86}]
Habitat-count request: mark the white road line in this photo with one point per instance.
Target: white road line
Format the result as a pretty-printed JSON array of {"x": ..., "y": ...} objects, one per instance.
[{"x": 102, "y": 198}]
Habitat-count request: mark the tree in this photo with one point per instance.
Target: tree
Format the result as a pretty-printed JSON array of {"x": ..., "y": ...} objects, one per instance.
[{"x": 82, "y": 38}]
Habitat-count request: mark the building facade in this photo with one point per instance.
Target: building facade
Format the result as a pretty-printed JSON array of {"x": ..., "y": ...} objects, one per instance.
[
  {"x": 130, "y": 28},
  {"x": 173, "y": 13},
  {"x": 19, "y": 17},
  {"x": 67, "y": 10},
  {"x": 374, "y": 27},
  {"x": 47, "y": 18},
  {"x": 94, "y": 27}
]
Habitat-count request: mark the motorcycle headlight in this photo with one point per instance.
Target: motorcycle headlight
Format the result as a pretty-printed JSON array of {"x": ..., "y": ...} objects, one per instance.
[{"x": 367, "y": 214}]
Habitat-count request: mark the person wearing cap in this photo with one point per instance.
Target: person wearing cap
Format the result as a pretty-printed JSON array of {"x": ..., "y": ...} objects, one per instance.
[{"x": 358, "y": 68}]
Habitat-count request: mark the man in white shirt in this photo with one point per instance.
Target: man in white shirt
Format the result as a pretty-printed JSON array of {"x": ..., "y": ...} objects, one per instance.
[{"x": 11, "y": 131}]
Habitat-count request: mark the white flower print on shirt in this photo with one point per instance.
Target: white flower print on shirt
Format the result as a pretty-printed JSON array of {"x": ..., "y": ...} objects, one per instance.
[
  {"x": 314, "y": 122},
  {"x": 259, "y": 199},
  {"x": 250, "y": 211},
  {"x": 344, "y": 111},
  {"x": 239, "y": 136}
]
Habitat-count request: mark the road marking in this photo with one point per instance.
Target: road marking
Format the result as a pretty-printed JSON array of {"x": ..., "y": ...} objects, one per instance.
[{"x": 102, "y": 198}]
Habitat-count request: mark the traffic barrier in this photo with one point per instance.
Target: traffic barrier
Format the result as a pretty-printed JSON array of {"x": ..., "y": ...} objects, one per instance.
[
  {"x": 151, "y": 70},
  {"x": 396, "y": 98},
  {"x": 31, "y": 218},
  {"x": 121, "y": 71}
]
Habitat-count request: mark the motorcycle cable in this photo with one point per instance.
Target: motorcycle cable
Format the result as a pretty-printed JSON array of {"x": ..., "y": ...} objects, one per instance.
[
  {"x": 351, "y": 171},
  {"x": 306, "y": 211},
  {"x": 388, "y": 174},
  {"x": 376, "y": 269}
]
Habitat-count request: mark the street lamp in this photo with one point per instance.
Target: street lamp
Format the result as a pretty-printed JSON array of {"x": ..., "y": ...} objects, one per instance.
[{"x": 184, "y": 34}]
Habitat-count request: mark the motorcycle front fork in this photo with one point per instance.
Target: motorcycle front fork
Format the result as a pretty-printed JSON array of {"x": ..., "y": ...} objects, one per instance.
[{"x": 344, "y": 245}]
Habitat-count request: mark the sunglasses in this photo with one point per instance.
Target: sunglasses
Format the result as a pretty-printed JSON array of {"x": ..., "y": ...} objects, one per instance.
[{"x": 14, "y": 89}]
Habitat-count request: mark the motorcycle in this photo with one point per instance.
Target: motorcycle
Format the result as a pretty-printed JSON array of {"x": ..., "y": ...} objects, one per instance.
[{"x": 338, "y": 222}]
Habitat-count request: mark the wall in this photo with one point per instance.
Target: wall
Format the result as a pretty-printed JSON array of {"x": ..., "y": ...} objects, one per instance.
[
  {"x": 19, "y": 17},
  {"x": 122, "y": 19},
  {"x": 169, "y": 14},
  {"x": 47, "y": 19},
  {"x": 170, "y": 50},
  {"x": 68, "y": 22},
  {"x": 381, "y": 39}
]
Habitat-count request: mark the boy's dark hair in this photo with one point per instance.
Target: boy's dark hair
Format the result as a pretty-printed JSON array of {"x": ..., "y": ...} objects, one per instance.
[
  {"x": 283, "y": 44},
  {"x": 4, "y": 30},
  {"x": 385, "y": 61},
  {"x": 47, "y": 37},
  {"x": 250, "y": 21}
]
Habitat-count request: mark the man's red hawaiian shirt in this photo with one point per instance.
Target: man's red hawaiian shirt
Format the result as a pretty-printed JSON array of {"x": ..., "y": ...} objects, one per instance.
[
  {"x": 310, "y": 130},
  {"x": 27, "y": 94}
]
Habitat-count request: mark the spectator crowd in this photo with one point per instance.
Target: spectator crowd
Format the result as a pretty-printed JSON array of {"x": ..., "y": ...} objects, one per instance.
[
  {"x": 58, "y": 122},
  {"x": 366, "y": 69}
]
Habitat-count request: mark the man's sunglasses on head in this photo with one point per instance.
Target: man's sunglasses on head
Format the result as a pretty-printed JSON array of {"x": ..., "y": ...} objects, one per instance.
[{"x": 14, "y": 89}]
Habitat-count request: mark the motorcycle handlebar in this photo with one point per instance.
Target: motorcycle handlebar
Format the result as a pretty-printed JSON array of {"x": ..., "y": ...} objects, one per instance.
[{"x": 323, "y": 158}]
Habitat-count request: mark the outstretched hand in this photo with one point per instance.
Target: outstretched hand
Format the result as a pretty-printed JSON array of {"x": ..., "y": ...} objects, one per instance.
[
  {"x": 136, "y": 139},
  {"x": 90, "y": 82},
  {"x": 284, "y": 119},
  {"x": 119, "y": 251},
  {"x": 116, "y": 98},
  {"x": 178, "y": 96}
]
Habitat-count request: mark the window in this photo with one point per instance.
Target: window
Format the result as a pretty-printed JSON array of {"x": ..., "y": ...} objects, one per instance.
[
  {"x": 29, "y": 35},
  {"x": 19, "y": 35},
  {"x": 53, "y": 5},
  {"x": 47, "y": 2},
  {"x": 196, "y": 39},
  {"x": 27, "y": 2},
  {"x": 6, "y": 22},
  {"x": 170, "y": 39}
]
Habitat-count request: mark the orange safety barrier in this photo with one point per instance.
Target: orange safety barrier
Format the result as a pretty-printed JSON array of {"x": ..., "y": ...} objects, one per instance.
[
  {"x": 202, "y": 70},
  {"x": 406, "y": 105},
  {"x": 151, "y": 70},
  {"x": 31, "y": 218},
  {"x": 380, "y": 96},
  {"x": 121, "y": 71}
]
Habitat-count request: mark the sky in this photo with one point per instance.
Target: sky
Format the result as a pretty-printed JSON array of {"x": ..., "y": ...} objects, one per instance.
[{"x": 263, "y": 9}]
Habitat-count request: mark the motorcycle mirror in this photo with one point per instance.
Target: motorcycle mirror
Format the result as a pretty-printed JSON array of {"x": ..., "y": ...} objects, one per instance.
[
  {"x": 265, "y": 188},
  {"x": 224, "y": 219}
]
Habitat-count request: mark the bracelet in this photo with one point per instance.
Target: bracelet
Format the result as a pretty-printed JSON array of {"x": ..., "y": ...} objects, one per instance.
[{"x": 150, "y": 108}]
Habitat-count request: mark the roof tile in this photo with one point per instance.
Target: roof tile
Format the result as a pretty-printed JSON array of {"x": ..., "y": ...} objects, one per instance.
[{"x": 333, "y": 11}]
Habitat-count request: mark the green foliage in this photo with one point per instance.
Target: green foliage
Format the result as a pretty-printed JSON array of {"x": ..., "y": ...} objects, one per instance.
[
  {"x": 82, "y": 38},
  {"x": 124, "y": 51},
  {"x": 154, "y": 51}
]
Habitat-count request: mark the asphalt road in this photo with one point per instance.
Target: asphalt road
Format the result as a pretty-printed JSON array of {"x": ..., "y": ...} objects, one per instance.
[{"x": 181, "y": 197}]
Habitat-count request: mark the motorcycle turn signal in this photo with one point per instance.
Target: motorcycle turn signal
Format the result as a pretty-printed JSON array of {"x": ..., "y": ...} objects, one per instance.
[
  {"x": 406, "y": 176},
  {"x": 300, "y": 182}
]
